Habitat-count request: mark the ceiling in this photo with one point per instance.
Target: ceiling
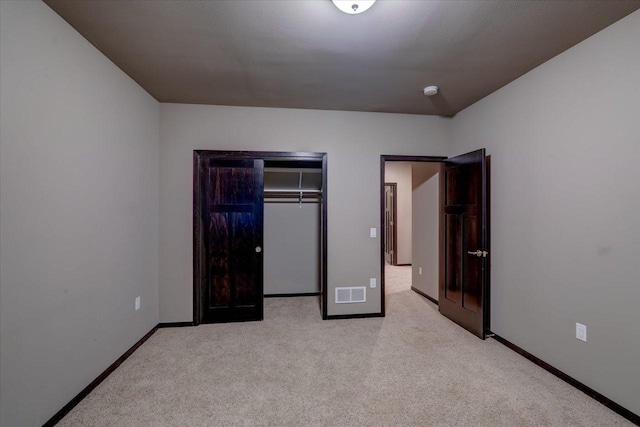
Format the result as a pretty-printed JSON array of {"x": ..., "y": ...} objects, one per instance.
[{"x": 308, "y": 54}]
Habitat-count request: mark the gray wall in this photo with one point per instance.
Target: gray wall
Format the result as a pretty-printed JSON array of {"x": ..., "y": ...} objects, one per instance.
[
  {"x": 78, "y": 213},
  {"x": 426, "y": 235},
  {"x": 79, "y": 204},
  {"x": 291, "y": 248},
  {"x": 565, "y": 146},
  {"x": 354, "y": 143},
  {"x": 400, "y": 173}
]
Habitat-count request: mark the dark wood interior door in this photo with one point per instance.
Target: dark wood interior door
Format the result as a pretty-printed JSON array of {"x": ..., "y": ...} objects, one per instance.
[
  {"x": 464, "y": 241},
  {"x": 232, "y": 227},
  {"x": 390, "y": 223}
]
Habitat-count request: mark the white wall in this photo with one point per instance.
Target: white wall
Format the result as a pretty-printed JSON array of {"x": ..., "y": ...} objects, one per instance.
[
  {"x": 426, "y": 231},
  {"x": 79, "y": 213},
  {"x": 565, "y": 146},
  {"x": 353, "y": 142},
  {"x": 400, "y": 173}
]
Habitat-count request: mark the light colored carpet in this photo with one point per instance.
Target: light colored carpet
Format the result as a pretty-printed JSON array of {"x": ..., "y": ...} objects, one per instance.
[
  {"x": 411, "y": 368},
  {"x": 397, "y": 278}
]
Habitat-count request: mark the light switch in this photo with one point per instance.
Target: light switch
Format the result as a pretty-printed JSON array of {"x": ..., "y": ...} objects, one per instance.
[
  {"x": 373, "y": 233},
  {"x": 373, "y": 282},
  {"x": 581, "y": 332}
]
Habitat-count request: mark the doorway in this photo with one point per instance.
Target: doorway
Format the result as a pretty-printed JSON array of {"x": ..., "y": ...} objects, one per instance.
[
  {"x": 228, "y": 219},
  {"x": 414, "y": 267},
  {"x": 460, "y": 265}
]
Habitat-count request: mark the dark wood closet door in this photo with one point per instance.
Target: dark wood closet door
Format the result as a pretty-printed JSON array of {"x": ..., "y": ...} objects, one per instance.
[
  {"x": 232, "y": 213},
  {"x": 464, "y": 243}
]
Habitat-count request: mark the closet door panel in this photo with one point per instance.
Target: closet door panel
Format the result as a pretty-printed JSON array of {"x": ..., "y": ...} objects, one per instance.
[
  {"x": 219, "y": 274},
  {"x": 247, "y": 259},
  {"x": 232, "y": 211}
]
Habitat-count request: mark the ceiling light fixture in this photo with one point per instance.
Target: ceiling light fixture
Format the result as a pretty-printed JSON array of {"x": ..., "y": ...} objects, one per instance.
[{"x": 353, "y": 7}]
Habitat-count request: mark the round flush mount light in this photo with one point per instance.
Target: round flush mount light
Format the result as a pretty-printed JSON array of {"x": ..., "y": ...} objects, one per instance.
[
  {"x": 430, "y": 90},
  {"x": 353, "y": 7}
]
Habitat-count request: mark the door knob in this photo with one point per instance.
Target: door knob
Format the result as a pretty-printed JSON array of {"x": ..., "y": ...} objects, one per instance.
[
  {"x": 478, "y": 253},
  {"x": 258, "y": 249}
]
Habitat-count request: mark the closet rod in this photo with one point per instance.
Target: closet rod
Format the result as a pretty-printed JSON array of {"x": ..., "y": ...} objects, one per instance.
[
  {"x": 297, "y": 202},
  {"x": 292, "y": 196}
]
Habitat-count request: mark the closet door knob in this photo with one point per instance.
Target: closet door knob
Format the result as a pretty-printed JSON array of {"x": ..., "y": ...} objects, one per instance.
[{"x": 258, "y": 249}]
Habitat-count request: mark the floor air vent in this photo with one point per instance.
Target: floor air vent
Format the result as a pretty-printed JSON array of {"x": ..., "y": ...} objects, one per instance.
[{"x": 352, "y": 294}]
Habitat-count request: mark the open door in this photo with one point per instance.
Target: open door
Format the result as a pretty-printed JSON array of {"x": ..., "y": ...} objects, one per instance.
[
  {"x": 390, "y": 231},
  {"x": 463, "y": 289},
  {"x": 228, "y": 220}
]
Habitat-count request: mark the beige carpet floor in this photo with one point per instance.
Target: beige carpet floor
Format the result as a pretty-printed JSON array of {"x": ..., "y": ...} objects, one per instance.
[
  {"x": 411, "y": 368},
  {"x": 397, "y": 278}
]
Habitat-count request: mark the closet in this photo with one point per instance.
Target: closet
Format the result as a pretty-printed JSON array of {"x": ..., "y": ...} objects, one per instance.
[
  {"x": 259, "y": 221},
  {"x": 292, "y": 202}
]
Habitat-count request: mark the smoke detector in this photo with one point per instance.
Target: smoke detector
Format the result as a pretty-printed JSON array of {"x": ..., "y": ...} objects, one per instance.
[{"x": 430, "y": 90}]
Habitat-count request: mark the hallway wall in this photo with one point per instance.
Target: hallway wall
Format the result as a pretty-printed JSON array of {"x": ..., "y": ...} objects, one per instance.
[{"x": 426, "y": 221}]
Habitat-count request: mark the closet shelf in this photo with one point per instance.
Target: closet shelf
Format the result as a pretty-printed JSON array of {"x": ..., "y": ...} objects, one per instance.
[
  {"x": 289, "y": 190},
  {"x": 294, "y": 180},
  {"x": 292, "y": 170}
]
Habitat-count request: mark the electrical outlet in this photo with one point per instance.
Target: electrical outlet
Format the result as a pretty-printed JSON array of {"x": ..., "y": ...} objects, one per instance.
[
  {"x": 581, "y": 332},
  {"x": 420, "y": 271},
  {"x": 137, "y": 303},
  {"x": 373, "y": 282}
]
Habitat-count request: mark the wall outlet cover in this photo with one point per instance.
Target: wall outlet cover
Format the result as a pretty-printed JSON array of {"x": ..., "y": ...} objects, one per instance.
[
  {"x": 373, "y": 232},
  {"x": 137, "y": 303},
  {"x": 373, "y": 283}
]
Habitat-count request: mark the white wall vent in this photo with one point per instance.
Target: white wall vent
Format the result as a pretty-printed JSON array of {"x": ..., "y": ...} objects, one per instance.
[{"x": 351, "y": 294}]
